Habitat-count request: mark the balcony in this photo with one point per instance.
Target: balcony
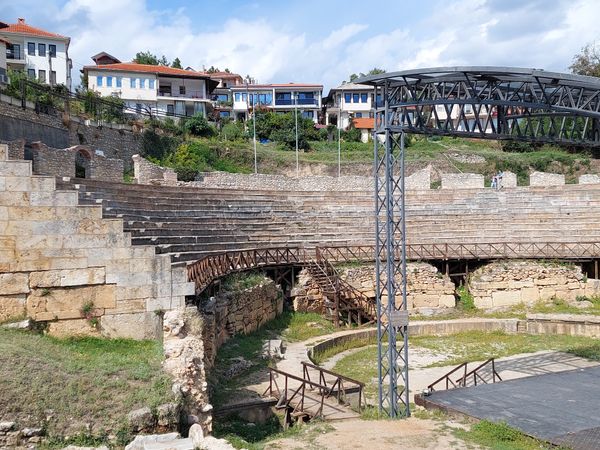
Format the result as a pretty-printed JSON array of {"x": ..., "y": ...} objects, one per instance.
[
  {"x": 299, "y": 102},
  {"x": 196, "y": 95},
  {"x": 14, "y": 56}
]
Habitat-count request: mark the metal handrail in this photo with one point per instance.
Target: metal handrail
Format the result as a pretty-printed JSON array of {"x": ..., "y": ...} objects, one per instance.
[
  {"x": 446, "y": 377},
  {"x": 463, "y": 381},
  {"x": 338, "y": 381}
]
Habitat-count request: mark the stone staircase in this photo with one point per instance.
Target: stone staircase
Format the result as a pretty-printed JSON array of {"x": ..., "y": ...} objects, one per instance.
[
  {"x": 342, "y": 301},
  {"x": 188, "y": 223}
]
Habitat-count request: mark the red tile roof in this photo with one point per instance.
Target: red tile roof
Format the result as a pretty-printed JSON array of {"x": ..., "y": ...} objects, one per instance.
[
  {"x": 147, "y": 68},
  {"x": 367, "y": 123},
  {"x": 22, "y": 28}
]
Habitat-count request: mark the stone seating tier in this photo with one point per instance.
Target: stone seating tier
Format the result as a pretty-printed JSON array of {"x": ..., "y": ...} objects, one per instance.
[{"x": 192, "y": 222}]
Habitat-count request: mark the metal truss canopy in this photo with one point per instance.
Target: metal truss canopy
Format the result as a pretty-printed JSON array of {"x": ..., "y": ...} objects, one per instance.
[{"x": 493, "y": 103}]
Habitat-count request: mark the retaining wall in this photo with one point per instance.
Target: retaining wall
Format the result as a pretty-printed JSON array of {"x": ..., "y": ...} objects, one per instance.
[
  {"x": 57, "y": 130},
  {"x": 240, "y": 312},
  {"x": 62, "y": 264}
]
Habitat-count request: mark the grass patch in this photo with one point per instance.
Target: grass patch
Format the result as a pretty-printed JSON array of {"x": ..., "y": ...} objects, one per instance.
[
  {"x": 499, "y": 436},
  {"x": 292, "y": 326},
  {"x": 241, "y": 281},
  {"x": 93, "y": 380},
  {"x": 244, "y": 435},
  {"x": 320, "y": 357},
  {"x": 469, "y": 346}
]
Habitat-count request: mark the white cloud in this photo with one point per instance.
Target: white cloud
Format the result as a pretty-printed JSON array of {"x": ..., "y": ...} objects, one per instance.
[{"x": 536, "y": 33}]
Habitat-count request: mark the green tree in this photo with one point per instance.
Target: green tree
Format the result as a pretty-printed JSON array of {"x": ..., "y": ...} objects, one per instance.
[
  {"x": 374, "y": 71},
  {"x": 199, "y": 126},
  {"x": 282, "y": 128},
  {"x": 176, "y": 64},
  {"x": 146, "y": 58},
  {"x": 150, "y": 58},
  {"x": 587, "y": 62}
]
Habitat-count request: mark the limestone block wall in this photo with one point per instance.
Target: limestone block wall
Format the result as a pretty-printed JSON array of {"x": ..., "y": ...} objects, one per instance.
[
  {"x": 146, "y": 172},
  {"x": 421, "y": 179},
  {"x": 462, "y": 181},
  {"x": 241, "y": 312},
  {"x": 507, "y": 283},
  {"x": 63, "y": 264},
  {"x": 546, "y": 179},
  {"x": 16, "y": 148},
  {"x": 509, "y": 180},
  {"x": 61, "y": 162},
  {"x": 427, "y": 288}
]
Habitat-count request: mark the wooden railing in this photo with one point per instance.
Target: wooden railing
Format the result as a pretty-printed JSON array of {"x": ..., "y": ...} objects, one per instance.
[
  {"x": 463, "y": 380},
  {"x": 206, "y": 270},
  {"x": 338, "y": 387}
]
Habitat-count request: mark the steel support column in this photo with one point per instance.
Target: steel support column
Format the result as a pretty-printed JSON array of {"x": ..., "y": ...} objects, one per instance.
[{"x": 390, "y": 238}]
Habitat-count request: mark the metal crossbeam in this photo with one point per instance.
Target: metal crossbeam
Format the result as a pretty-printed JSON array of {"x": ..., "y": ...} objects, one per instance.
[
  {"x": 494, "y": 103},
  {"x": 392, "y": 316}
]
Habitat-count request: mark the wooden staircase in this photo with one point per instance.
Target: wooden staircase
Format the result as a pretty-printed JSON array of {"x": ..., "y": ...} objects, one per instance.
[{"x": 343, "y": 302}]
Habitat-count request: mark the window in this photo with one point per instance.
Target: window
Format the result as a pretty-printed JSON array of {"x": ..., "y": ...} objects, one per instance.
[
  {"x": 31, "y": 73},
  {"x": 132, "y": 83},
  {"x": 151, "y": 84},
  {"x": 31, "y": 48},
  {"x": 99, "y": 81},
  {"x": 181, "y": 90},
  {"x": 170, "y": 110},
  {"x": 119, "y": 84},
  {"x": 53, "y": 77},
  {"x": 355, "y": 98},
  {"x": 358, "y": 115},
  {"x": 142, "y": 83},
  {"x": 41, "y": 49},
  {"x": 308, "y": 114},
  {"x": 138, "y": 108},
  {"x": 52, "y": 50},
  {"x": 363, "y": 98},
  {"x": 238, "y": 97},
  {"x": 348, "y": 98},
  {"x": 224, "y": 114},
  {"x": 222, "y": 98},
  {"x": 42, "y": 76},
  {"x": 108, "y": 81}
]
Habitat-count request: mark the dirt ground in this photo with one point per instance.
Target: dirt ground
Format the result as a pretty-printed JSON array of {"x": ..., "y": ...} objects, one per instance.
[{"x": 359, "y": 434}]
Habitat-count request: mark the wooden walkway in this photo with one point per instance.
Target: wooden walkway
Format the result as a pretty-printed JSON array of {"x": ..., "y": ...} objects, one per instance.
[{"x": 317, "y": 393}]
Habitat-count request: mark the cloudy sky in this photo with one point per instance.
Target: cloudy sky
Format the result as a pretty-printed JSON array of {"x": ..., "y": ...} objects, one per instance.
[{"x": 320, "y": 41}]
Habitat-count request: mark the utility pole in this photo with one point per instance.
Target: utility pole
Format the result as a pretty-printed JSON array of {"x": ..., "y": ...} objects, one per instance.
[
  {"x": 296, "y": 117},
  {"x": 339, "y": 148}
]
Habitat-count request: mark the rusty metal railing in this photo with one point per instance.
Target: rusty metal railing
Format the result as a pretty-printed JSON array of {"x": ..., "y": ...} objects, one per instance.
[
  {"x": 337, "y": 387},
  {"x": 462, "y": 381}
]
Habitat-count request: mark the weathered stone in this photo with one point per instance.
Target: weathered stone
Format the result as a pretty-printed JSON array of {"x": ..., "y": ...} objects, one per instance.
[
  {"x": 11, "y": 307},
  {"x": 30, "y": 432},
  {"x": 71, "y": 277},
  {"x": 6, "y": 426},
  {"x": 505, "y": 298},
  {"x": 76, "y": 327},
  {"x": 141, "y": 419},
  {"x": 167, "y": 414},
  {"x": 14, "y": 283},
  {"x": 141, "y": 440},
  {"x": 197, "y": 435}
]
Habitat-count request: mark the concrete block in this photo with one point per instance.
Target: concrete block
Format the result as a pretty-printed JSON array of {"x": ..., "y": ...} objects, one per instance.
[
  {"x": 14, "y": 283},
  {"x": 76, "y": 327},
  {"x": 15, "y": 168},
  {"x": 530, "y": 295},
  {"x": 462, "y": 181},
  {"x": 447, "y": 301},
  {"x": 12, "y": 307},
  {"x": 146, "y": 325},
  {"x": 506, "y": 298},
  {"x": 589, "y": 179},
  {"x": 546, "y": 179},
  {"x": 483, "y": 302},
  {"x": 69, "y": 277}
]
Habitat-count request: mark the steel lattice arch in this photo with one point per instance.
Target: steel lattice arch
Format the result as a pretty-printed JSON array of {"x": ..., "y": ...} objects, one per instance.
[{"x": 499, "y": 103}]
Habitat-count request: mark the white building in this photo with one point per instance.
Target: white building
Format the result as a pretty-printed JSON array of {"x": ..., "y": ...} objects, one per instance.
[
  {"x": 147, "y": 89},
  {"x": 41, "y": 54},
  {"x": 222, "y": 96},
  {"x": 3, "y": 76},
  {"x": 280, "y": 98},
  {"x": 349, "y": 101}
]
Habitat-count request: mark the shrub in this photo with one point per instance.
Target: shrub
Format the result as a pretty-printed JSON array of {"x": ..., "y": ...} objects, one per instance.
[
  {"x": 232, "y": 131},
  {"x": 351, "y": 135},
  {"x": 465, "y": 301},
  {"x": 158, "y": 145},
  {"x": 198, "y": 126}
]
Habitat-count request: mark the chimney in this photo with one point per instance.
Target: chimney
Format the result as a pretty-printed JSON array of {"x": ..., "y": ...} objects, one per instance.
[{"x": 21, "y": 20}]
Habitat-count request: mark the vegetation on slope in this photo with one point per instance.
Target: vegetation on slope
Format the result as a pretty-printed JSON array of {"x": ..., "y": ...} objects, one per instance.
[{"x": 81, "y": 386}]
